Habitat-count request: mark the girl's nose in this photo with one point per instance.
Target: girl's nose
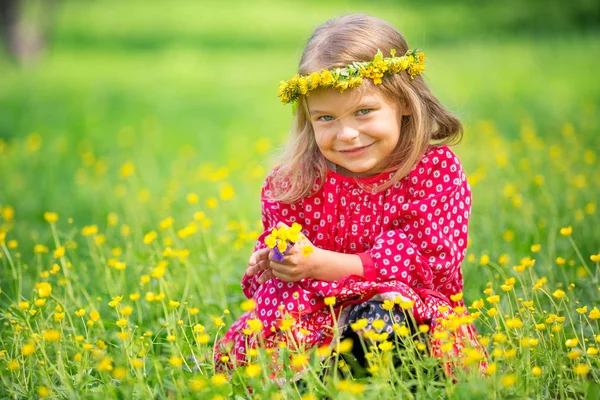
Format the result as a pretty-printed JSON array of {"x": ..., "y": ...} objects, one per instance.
[{"x": 347, "y": 133}]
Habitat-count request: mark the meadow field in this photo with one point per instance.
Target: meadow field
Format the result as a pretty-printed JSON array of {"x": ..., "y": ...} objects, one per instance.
[{"x": 131, "y": 159}]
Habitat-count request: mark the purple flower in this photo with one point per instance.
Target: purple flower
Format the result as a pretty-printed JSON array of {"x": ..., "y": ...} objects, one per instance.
[{"x": 278, "y": 256}]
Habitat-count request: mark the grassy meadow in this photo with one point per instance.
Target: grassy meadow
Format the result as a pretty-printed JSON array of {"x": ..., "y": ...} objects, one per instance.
[{"x": 131, "y": 159}]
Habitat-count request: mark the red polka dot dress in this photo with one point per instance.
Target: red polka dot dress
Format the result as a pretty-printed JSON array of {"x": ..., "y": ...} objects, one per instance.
[{"x": 411, "y": 239}]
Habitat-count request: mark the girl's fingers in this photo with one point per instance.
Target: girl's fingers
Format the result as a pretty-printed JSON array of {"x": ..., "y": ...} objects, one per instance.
[
  {"x": 259, "y": 255},
  {"x": 267, "y": 275},
  {"x": 261, "y": 265}
]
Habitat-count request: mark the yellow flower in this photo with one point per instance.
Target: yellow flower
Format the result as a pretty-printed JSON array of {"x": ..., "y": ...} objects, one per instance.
[
  {"x": 582, "y": 369},
  {"x": 127, "y": 169},
  {"x": 592, "y": 351},
  {"x": 105, "y": 364},
  {"x": 566, "y": 231},
  {"x": 59, "y": 252},
  {"x": 43, "y": 391},
  {"x": 572, "y": 342},
  {"x": 559, "y": 294},
  {"x": 203, "y": 338},
  {"x": 150, "y": 237},
  {"x": 51, "y": 335},
  {"x": 330, "y": 301},
  {"x": 493, "y": 299},
  {"x": 121, "y": 323},
  {"x": 456, "y": 297},
  {"x": 536, "y": 371},
  {"x": 28, "y": 349},
  {"x": 24, "y": 305},
  {"x": 218, "y": 379},
  {"x": 40, "y": 248},
  {"x": 94, "y": 315},
  {"x": 509, "y": 380},
  {"x": 173, "y": 304},
  {"x": 119, "y": 373},
  {"x": 484, "y": 260},
  {"x": 50, "y": 217},
  {"x": 252, "y": 370},
  {"x": 89, "y": 230},
  {"x": 535, "y": 248},
  {"x": 594, "y": 314},
  {"x": 299, "y": 360},
  {"x": 595, "y": 257},
  {"x": 344, "y": 346},
  {"x": 378, "y": 324},
  {"x": 386, "y": 346},
  {"x": 248, "y": 305},
  {"x": 44, "y": 289},
  {"x": 255, "y": 325},
  {"x": 514, "y": 323},
  {"x": 226, "y": 192},
  {"x": 176, "y": 361}
]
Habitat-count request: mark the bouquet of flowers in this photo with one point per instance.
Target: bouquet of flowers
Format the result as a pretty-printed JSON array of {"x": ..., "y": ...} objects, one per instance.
[{"x": 283, "y": 239}]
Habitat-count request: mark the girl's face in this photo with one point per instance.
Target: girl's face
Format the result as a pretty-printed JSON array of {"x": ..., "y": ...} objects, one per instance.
[{"x": 355, "y": 131}]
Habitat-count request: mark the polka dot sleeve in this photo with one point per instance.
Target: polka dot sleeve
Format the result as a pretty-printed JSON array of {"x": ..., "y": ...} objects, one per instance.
[
  {"x": 428, "y": 248},
  {"x": 273, "y": 212}
]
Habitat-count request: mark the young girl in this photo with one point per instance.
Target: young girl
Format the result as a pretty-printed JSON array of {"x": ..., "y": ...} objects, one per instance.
[{"x": 383, "y": 202}]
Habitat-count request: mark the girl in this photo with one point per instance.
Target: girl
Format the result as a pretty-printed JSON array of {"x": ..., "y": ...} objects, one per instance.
[{"x": 383, "y": 202}]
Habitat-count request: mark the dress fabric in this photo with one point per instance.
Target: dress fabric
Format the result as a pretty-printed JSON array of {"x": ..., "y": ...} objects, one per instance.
[{"x": 411, "y": 238}]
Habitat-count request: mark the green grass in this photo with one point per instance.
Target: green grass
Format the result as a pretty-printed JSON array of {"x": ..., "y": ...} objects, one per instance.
[{"x": 186, "y": 91}]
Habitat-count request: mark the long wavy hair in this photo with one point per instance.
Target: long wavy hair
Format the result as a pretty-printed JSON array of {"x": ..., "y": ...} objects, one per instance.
[{"x": 337, "y": 43}]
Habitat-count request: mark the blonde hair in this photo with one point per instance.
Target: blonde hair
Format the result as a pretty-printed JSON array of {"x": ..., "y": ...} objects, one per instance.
[{"x": 337, "y": 43}]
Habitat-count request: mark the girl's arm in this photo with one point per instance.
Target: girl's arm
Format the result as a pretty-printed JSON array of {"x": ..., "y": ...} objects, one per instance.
[{"x": 320, "y": 264}]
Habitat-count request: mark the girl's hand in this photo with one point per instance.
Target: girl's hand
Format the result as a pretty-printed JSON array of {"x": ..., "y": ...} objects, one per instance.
[
  {"x": 298, "y": 262},
  {"x": 259, "y": 261}
]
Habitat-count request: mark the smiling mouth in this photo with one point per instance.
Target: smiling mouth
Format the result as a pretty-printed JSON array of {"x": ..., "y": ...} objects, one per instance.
[{"x": 355, "y": 149}]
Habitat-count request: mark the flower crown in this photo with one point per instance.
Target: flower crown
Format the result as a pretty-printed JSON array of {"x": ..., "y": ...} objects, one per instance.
[{"x": 351, "y": 76}]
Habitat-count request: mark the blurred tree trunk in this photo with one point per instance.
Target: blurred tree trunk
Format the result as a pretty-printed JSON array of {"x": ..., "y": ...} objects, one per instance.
[{"x": 25, "y": 27}]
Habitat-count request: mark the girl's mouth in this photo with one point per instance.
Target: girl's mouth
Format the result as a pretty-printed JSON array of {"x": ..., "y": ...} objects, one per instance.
[{"x": 355, "y": 151}]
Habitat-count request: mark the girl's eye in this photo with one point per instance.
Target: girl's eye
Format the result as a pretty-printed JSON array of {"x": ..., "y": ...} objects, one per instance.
[
  {"x": 325, "y": 118},
  {"x": 364, "y": 111}
]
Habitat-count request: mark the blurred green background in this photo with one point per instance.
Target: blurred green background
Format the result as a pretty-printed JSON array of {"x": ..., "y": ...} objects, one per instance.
[{"x": 174, "y": 86}]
